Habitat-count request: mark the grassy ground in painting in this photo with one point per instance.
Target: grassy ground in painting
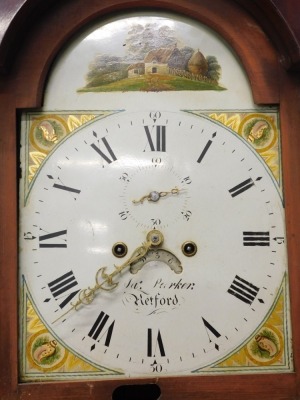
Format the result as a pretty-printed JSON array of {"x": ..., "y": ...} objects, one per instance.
[{"x": 153, "y": 83}]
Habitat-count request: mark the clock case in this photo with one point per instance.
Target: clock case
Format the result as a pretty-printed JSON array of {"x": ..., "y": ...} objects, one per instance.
[{"x": 33, "y": 35}]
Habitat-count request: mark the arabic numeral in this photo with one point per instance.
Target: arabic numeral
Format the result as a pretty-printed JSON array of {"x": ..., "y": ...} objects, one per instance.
[
  {"x": 279, "y": 239},
  {"x": 156, "y": 367},
  {"x": 124, "y": 177},
  {"x": 187, "y": 180},
  {"x": 156, "y": 221},
  {"x": 186, "y": 214},
  {"x": 123, "y": 215},
  {"x": 156, "y": 161},
  {"x": 28, "y": 236}
]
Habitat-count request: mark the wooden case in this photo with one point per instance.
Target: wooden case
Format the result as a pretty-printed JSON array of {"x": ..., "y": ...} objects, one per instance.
[{"x": 32, "y": 35}]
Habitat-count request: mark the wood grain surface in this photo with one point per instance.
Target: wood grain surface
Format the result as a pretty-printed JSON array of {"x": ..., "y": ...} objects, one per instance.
[{"x": 32, "y": 32}]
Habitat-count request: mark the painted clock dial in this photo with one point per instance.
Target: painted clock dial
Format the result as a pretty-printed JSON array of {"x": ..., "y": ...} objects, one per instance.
[{"x": 184, "y": 304}]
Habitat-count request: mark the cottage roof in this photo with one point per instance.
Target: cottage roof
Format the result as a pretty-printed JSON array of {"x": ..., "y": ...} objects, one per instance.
[{"x": 161, "y": 55}]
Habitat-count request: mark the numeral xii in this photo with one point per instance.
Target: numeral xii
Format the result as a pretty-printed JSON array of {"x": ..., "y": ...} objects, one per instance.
[{"x": 156, "y": 140}]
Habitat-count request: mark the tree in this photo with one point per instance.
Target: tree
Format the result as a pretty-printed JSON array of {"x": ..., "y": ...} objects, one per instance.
[{"x": 214, "y": 69}]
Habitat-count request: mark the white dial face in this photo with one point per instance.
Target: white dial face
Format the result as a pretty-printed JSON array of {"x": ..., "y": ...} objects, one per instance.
[{"x": 181, "y": 305}]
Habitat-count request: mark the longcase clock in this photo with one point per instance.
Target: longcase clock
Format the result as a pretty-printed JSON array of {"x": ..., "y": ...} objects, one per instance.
[{"x": 149, "y": 205}]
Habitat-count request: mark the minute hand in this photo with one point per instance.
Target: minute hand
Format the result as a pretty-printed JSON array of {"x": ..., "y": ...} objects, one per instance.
[{"x": 105, "y": 281}]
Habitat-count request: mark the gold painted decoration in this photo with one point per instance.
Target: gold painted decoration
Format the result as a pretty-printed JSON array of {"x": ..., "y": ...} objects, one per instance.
[
  {"x": 44, "y": 353},
  {"x": 46, "y": 358},
  {"x": 46, "y": 131},
  {"x": 35, "y": 160},
  {"x": 268, "y": 348},
  {"x": 75, "y": 121},
  {"x": 259, "y": 130}
]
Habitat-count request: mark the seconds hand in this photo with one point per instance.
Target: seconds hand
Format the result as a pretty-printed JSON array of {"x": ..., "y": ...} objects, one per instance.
[
  {"x": 154, "y": 196},
  {"x": 105, "y": 281}
]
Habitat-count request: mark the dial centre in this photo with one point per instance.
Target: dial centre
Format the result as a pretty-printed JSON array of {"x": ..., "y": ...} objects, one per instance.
[{"x": 154, "y": 196}]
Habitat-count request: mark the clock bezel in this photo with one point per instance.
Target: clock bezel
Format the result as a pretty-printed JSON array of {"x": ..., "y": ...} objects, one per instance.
[{"x": 23, "y": 89}]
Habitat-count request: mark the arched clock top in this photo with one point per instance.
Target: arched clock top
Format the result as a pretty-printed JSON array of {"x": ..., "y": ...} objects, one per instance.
[
  {"x": 187, "y": 188},
  {"x": 45, "y": 36}
]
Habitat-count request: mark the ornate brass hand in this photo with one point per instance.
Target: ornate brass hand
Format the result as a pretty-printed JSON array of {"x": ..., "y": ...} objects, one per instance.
[
  {"x": 155, "y": 196},
  {"x": 105, "y": 281}
]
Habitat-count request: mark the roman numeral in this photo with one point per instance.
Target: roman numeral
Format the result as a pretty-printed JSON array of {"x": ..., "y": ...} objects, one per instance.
[
  {"x": 61, "y": 287},
  {"x": 67, "y": 188},
  {"x": 256, "y": 238},
  {"x": 152, "y": 346},
  {"x": 109, "y": 156},
  {"x": 101, "y": 327},
  {"x": 243, "y": 186},
  {"x": 207, "y": 146},
  {"x": 46, "y": 242},
  {"x": 211, "y": 330},
  {"x": 158, "y": 142},
  {"x": 243, "y": 290},
  {"x": 62, "y": 186}
]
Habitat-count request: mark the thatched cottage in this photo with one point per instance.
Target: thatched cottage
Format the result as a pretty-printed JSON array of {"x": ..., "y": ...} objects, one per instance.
[{"x": 161, "y": 60}]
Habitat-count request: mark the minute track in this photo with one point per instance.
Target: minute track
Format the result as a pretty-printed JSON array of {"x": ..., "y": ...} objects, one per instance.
[{"x": 229, "y": 276}]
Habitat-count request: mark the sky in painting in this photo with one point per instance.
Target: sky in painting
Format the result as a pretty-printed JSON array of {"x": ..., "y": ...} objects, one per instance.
[{"x": 113, "y": 38}]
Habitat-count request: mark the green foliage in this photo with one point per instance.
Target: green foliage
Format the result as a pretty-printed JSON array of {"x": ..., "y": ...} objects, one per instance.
[
  {"x": 214, "y": 69},
  {"x": 153, "y": 83},
  {"x": 258, "y": 350},
  {"x": 48, "y": 360}
]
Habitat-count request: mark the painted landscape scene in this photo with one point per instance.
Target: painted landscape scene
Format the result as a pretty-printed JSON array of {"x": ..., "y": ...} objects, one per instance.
[{"x": 153, "y": 60}]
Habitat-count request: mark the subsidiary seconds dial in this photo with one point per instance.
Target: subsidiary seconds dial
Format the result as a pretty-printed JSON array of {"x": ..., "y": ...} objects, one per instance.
[
  {"x": 158, "y": 184},
  {"x": 156, "y": 195}
]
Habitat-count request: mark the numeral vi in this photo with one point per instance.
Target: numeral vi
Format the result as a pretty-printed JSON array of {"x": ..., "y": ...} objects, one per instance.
[{"x": 155, "y": 344}]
